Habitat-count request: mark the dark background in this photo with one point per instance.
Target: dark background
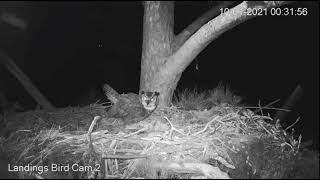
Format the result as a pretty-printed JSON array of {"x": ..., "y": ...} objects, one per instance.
[{"x": 70, "y": 49}]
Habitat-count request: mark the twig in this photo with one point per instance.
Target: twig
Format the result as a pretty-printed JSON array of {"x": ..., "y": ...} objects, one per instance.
[
  {"x": 206, "y": 127},
  {"x": 137, "y": 132},
  {"x": 239, "y": 120},
  {"x": 23, "y": 130},
  {"x": 95, "y": 119},
  {"x": 260, "y": 107},
  {"x": 253, "y": 107},
  {"x": 285, "y": 143},
  {"x": 116, "y": 164},
  {"x": 299, "y": 143},
  {"x": 268, "y": 105},
  {"x": 106, "y": 167},
  {"x": 173, "y": 129},
  {"x": 272, "y": 102},
  {"x": 293, "y": 124}
]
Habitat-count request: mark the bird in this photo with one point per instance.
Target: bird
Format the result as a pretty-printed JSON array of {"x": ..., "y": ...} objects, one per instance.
[{"x": 131, "y": 107}]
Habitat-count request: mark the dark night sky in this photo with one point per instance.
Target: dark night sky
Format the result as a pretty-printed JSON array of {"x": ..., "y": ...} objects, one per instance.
[{"x": 70, "y": 47}]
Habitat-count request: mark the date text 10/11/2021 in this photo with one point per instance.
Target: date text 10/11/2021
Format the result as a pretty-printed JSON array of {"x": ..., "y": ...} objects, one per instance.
[{"x": 272, "y": 11}]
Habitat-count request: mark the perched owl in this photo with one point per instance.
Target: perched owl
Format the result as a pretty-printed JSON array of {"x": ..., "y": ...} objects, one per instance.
[
  {"x": 131, "y": 107},
  {"x": 149, "y": 100}
]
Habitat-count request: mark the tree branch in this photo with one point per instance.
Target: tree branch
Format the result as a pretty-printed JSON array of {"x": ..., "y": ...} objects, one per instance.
[
  {"x": 195, "y": 25},
  {"x": 213, "y": 29},
  {"x": 25, "y": 81},
  {"x": 13, "y": 20}
]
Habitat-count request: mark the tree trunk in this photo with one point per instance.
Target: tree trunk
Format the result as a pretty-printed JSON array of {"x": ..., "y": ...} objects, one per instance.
[
  {"x": 157, "y": 40},
  {"x": 165, "y": 56}
]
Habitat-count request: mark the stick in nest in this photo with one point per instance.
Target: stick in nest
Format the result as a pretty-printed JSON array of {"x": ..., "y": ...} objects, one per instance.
[
  {"x": 173, "y": 129},
  {"x": 206, "y": 127},
  {"x": 91, "y": 149},
  {"x": 136, "y": 132},
  {"x": 91, "y": 153},
  {"x": 95, "y": 119},
  {"x": 292, "y": 124}
]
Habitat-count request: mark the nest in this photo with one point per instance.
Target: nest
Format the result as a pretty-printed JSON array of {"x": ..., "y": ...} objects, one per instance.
[{"x": 222, "y": 142}]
